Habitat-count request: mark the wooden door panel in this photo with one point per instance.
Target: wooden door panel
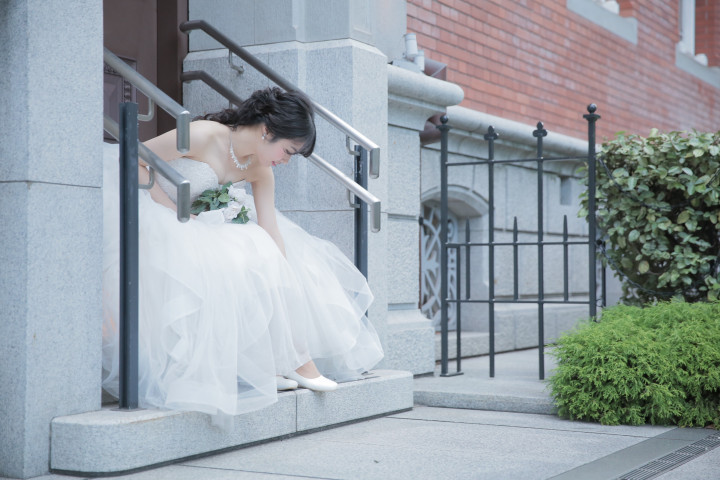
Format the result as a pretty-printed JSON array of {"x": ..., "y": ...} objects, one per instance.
[{"x": 130, "y": 32}]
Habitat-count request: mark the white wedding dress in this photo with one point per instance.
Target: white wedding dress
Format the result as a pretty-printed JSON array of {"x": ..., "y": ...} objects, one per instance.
[{"x": 221, "y": 311}]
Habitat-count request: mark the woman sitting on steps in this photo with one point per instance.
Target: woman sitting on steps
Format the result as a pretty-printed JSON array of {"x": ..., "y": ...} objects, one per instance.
[{"x": 229, "y": 313}]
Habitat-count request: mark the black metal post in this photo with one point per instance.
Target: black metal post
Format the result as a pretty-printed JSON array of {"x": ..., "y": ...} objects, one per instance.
[
  {"x": 128, "y": 256},
  {"x": 603, "y": 286},
  {"x": 444, "y": 129},
  {"x": 468, "y": 271},
  {"x": 361, "y": 212},
  {"x": 467, "y": 259},
  {"x": 490, "y": 137},
  {"x": 540, "y": 133},
  {"x": 566, "y": 260},
  {"x": 515, "y": 260},
  {"x": 591, "y": 118},
  {"x": 458, "y": 316}
]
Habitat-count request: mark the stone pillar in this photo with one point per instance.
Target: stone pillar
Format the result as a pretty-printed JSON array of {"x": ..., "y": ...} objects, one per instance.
[
  {"x": 412, "y": 99},
  {"x": 50, "y": 223},
  {"x": 336, "y": 51}
]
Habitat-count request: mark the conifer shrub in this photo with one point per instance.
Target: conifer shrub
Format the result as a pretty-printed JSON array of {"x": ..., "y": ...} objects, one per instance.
[
  {"x": 657, "y": 365},
  {"x": 658, "y": 207}
]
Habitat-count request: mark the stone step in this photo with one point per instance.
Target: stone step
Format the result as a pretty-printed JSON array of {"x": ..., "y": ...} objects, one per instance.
[
  {"x": 516, "y": 386},
  {"x": 111, "y": 441}
]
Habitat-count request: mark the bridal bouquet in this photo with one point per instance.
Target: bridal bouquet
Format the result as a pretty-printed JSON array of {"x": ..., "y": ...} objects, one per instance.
[{"x": 227, "y": 199}]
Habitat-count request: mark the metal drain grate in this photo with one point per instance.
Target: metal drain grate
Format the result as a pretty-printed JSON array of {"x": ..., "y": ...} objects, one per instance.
[
  {"x": 710, "y": 442},
  {"x": 674, "y": 459}
]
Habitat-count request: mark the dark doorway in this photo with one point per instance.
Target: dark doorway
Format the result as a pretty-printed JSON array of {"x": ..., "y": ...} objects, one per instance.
[{"x": 145, "y": 34}]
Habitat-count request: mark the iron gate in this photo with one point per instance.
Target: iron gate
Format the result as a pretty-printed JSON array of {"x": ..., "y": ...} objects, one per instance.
[{"x": 592, "y": 243}]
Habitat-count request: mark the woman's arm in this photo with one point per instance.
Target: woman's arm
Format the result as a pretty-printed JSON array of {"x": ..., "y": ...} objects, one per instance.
[{"x": 264, "y": 193}]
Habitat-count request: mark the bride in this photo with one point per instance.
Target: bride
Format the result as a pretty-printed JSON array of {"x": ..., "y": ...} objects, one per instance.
[{"x": 230, "y": 313}]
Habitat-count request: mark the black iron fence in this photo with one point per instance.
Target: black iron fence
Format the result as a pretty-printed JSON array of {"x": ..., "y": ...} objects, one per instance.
[{"x": 540, "y": 243}]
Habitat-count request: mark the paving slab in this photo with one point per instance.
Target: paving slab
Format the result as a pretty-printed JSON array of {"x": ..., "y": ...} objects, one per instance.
[
  {"x": 430, "y": 443},
  {"x": 535, "y": 421}
]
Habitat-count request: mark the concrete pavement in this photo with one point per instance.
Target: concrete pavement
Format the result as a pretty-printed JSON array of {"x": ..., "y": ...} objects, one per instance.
[{"x": 433, "y": 442}]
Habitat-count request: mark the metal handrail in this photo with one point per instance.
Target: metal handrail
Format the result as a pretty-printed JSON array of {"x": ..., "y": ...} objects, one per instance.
[
  {"x": 180, "y": 113},
  {"x": 212, "y": 83},
  {"x": 324, "y": 165},
  {"x": 352, "y": 187},
  {"x": 181, "y": 184},
  {"x": 340, "y": 124}
]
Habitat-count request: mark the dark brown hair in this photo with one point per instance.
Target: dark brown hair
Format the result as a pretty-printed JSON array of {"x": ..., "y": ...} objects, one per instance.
[{"x": 286, "y": 115}]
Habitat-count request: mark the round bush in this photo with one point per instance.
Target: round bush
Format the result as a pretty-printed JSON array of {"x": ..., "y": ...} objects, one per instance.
[
  {"x": 658, "y": 205},
  {"x": 658, "y": 365}
]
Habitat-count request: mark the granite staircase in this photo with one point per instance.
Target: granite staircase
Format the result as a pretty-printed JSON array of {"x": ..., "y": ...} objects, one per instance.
[{"x": 112, "y": 441}]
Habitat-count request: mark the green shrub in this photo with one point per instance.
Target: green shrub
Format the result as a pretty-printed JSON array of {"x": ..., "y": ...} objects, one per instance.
[
  {"x": 658, "y": 365},
  {"x": 658, "y": 204}
]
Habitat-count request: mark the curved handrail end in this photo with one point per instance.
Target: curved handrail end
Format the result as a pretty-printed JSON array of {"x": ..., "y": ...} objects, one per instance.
[
  {"x": 183, "y": 131},
  {"x": 374, "y": 162},
  {"x": 376, "y": 212},
  {"x": 183, "y": 205}
]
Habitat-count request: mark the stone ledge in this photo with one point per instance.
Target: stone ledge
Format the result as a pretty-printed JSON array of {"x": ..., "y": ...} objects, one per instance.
[
  {"x": 112, "y": 441},
  {"x": 482, "y": 401},
  {"x": 414, "y": 97}
]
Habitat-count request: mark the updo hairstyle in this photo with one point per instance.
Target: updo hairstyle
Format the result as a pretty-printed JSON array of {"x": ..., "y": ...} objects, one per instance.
[{"x": 286, "y": 115}]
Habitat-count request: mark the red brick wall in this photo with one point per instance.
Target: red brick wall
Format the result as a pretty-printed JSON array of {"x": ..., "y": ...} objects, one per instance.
[
  {"x": 707, "y": 30},
  {"x": 535, "y": 60}
]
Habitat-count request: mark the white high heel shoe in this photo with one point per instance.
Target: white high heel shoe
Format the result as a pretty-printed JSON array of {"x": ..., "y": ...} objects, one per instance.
[
  {"x": 285, "y": 383},
  {"x": 319, "y": 384}
]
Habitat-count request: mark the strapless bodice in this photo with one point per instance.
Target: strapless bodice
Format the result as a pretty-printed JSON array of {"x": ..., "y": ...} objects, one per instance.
[{"x": 201, "y": 176}]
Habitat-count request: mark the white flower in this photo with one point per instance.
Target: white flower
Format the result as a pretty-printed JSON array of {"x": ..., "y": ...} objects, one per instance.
[
  {"x": 239, "y": 194},
  {"x": 232, "y": 210}
]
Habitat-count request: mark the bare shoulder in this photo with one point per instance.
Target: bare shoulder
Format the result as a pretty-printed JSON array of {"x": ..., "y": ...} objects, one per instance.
[
  {"x": 207, "y": 134},
  {"x": 207, "y": 127},
  {"x": 204, "y": 137}
]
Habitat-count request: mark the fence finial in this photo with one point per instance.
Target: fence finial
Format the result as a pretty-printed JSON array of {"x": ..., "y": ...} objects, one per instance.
[
  {"x": 491, "y": 133},
  {"x": 540, "y": 132}
]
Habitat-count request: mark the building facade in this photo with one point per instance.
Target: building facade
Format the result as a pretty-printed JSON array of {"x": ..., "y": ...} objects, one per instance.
[{"x": 646, "y": 64}]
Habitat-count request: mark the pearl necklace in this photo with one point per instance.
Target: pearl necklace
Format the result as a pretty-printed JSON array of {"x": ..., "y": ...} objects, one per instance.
[{"x": 241, "y": 166}]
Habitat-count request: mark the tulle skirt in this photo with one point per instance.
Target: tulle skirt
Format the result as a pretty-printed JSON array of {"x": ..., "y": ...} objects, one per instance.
[{"x": 222, "y": 311}]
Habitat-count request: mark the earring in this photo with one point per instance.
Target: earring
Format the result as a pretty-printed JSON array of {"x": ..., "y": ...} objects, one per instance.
[{"x": 263, "y": 136}]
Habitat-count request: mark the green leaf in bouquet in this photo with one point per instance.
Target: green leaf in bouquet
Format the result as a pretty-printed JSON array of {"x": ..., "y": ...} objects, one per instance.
[
  {"x": 209, "y": 193},
  {"x": 242, "y": 216},
  {"x": 198, "y": 207}
]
